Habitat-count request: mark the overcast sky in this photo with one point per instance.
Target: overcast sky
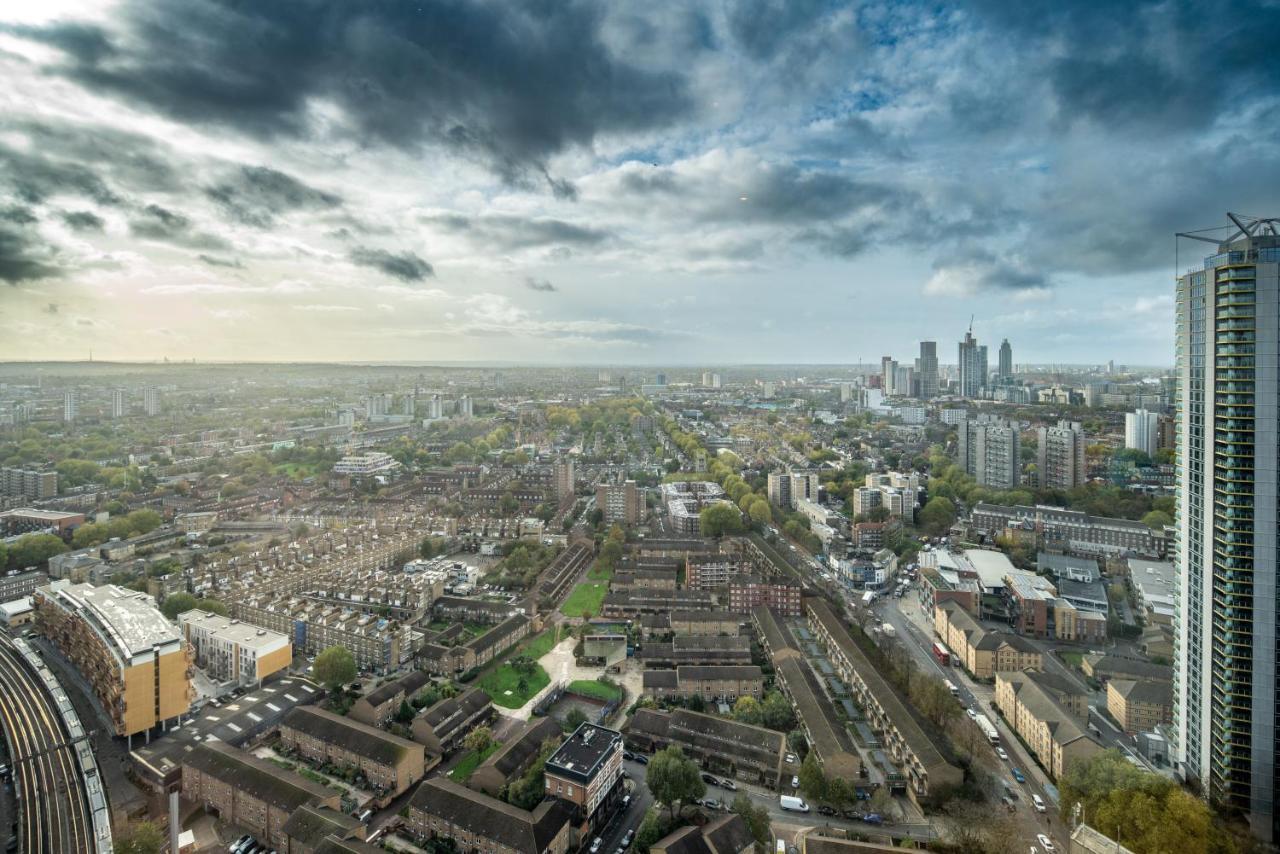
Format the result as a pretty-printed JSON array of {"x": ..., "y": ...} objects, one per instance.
[{"x": 553, "y": 181}]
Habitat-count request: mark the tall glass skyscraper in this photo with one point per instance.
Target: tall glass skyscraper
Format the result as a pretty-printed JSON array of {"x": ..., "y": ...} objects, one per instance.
[
  {"x": 1228, "y": 453},
  {"x": 1006, "y": 359},
  {"x": 927, "y": 367},
  {"x": 973, "y": 366}
]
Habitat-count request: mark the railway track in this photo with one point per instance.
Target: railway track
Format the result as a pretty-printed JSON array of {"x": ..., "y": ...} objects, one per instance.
[{"x": 54, "y": 807}]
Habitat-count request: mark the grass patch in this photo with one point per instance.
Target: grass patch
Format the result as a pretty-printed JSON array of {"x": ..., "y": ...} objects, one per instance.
[
  {"x": 498, "y": 682},
  {"x": 596, "y": 690},
  {"x": 295, "y": 471},
  {"x": 585, "y": 598},
  {"x": 539, "y": 645},
  {"x": 464, "y": 769},
  {"x": 599, "y": 572},
  {"x": 1072, "y": 659}
]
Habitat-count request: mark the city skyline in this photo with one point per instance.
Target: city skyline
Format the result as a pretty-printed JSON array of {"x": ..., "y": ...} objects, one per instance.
[{"x": 684, "y": 204}]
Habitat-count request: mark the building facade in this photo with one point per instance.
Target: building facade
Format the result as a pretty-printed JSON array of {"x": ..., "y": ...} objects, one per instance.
[
  {"x": 136, "y": 662},
  {"x": 1227, "y": 736},
  {"x": 1141, "y": 431},
  {"x": 232, "y": 651},
  {"x": 973, "y": 367},
  {"x": 620, "y": 502},
  {"x": 990, "y": 450},
  {"x": 1060, "y": 455}
]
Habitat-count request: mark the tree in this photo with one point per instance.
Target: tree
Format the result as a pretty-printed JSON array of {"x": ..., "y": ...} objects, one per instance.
[
  {"x": 776, "y": 712},
  {"x": 478, "y": 739},
  {"x": 213, "y": 606},
  {"x": 35, "y": 550},
  {"x": 757, "y": 819},
  {"x": 747, "y": 710},
  {"x": 813, "y": 781},
  {"x": 610, "y": 552},
  {"x": 89, "y": 535},
  {"x": 651, "y": 830},
  {"x": 719, "y": 519},
  {"x": 575, "y": 719},
  {"x": 673, "y": 778},
  {"x": 938, "y": 516},
  {"x": 405, "y": 713},
  {"x": 177, "y": 603},
  {"x": 335, "y": 667},
  {"x": 141, "y": 838},
  {"x": 1157, "y": 520},
  {"x": 760, "y": 512}
]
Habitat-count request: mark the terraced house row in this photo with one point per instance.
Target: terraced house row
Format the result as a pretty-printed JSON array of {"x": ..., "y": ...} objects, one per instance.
[
  {"x": 922, "y": 759},
  {"x": 391, "y": 764}
]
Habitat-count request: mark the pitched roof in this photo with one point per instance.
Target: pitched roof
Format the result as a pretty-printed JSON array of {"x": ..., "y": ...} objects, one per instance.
[
  {"x": 728, "y": 834},
  {"x": 446, "y": 715},
  {"x": 655, "y": 679},
  {"x": 367, "y": 741},
  {"x": 481, "y": 815},
  {"x": 309, "y": 824},
  {"x": 1157, "y": 693},
  {"x": 719, "y": 671},
  {"x": 520, "y": 750},
  {"x": 282, "y": 789},
  {"x": 407, "y": 685}
]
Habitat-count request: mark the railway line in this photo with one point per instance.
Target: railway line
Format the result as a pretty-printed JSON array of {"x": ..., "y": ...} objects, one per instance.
[{"x": 60, "y": 799}]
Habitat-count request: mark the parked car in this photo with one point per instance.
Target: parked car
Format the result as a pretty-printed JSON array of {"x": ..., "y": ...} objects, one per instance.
[
  {"x": 792, "y": 758},
  {"x": 1045, "y": 842},
  {"x": 1001, "y": 753},
  {"x": 873, "y": 818},
  {"x": 1019, "y": 776},
  {"x": 628, "y": 755},
  {"x": 726, "y": 783},
  {"x": 971, "y": 713},
  {"x": 627, "y": 837},
  {"x": 826, "y": 810},
  {"x": 641, "y": 759},
  {"x": 1038, "y": 803},
  {"x": 595, "y": 845},
  {"x": 708, "y": 779},
  {"x": 795, "y": 781}
]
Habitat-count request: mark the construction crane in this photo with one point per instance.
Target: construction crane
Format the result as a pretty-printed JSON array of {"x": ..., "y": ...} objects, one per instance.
[{"x": 971, "y": 324}]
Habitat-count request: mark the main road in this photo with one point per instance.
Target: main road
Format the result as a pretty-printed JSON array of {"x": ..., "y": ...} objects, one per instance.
[{"x": 47, "y": 783}]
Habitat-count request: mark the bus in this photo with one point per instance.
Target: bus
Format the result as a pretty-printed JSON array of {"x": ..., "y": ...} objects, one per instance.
[
  {"x": 941, "y": 653},
  {"x": 951, "y": 686}
]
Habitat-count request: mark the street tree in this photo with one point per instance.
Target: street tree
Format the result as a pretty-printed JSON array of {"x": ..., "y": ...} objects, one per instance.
[
  {"x": 335, "y": 667},
  {"x": 673, "y": 779},
  {"x": 813, "y": 780}
]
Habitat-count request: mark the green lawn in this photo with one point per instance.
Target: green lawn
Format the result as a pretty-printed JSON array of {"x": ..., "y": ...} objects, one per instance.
[
  {"x": 597, "y": 690},
  {"x": 498, "y": 682},
  {"x": 1072, "y": 659},
  {"x": 463, "y": 770},
  {"x": 586, "y": 597},
  {"x": 539, "y": 645},
  {"x": 600, "y": 573}
]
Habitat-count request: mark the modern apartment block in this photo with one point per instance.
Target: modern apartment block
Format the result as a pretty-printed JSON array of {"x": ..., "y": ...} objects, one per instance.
[
  {"x": 231, "y": 651},
  {"x": 137, "y": 663},
  {"x": 1060, "y": 455},
  {"x": 1227, "y": 735},
  {"x": 566, "y": 480},
  {"x": 28, "y": 483},
  {"x": 620, "y": 502},
  {"x": 990, "y": 450},
  {"x": 1005, "y": 370},
  {"x": 786, "y": 488},
  {"x": 1141, "y": 431}
]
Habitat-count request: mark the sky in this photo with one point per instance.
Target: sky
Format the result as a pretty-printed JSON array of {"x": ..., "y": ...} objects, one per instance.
[{"x": 557, "y": 181}]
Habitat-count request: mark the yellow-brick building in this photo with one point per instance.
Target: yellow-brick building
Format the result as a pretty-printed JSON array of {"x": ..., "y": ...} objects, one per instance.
[{"x": 135, "y": 660}]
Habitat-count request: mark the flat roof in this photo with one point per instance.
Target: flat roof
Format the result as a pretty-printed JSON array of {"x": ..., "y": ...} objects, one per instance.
[
  {"x": 583, "y": 753},
  {"x": 224, "y": 628},
  {"x": 129, "y": 620}
]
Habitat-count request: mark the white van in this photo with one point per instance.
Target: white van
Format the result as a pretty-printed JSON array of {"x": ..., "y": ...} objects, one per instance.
[
  {"x": 1038, "y": 803},
  {"x": 791, "y": 802}
]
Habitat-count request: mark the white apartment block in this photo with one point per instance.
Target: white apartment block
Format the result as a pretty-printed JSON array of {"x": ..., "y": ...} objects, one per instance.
[{"x": 232, "y": 651}]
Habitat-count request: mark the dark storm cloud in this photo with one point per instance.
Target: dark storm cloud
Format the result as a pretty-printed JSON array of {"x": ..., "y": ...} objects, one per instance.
[
  {"x": 539, "y": 285},
  {"x": 511, "y": 85},
  {"x": 136, "y": 162},
  {"x": 763, "y": 28},
  {"x": 83, "y": 221},
  {"x": 405, "y": 266},
  {"x": 34, "y": 178},
  {"x": 978, "y": 269},
  {"x": 256, "y": 195},
  {"x": 1146, "y": 63},
  {"x": 215, "y": 261},
  {"x": 18, "y": 214},
  {"x": 23, "y": 256},
  {"x": 158, "y": 223},
  {"x": 509, "y": 232}
]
